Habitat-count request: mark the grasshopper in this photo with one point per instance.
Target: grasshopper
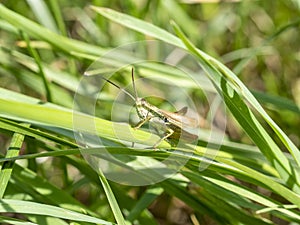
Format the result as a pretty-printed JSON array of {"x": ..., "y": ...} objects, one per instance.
[{"x": 173, "y": 121}]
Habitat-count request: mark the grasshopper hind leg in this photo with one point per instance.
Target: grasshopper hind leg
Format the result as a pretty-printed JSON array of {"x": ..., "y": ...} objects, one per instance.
[
  {"x": 141, "y": 122},
  {"x": 168, "y": 133}
]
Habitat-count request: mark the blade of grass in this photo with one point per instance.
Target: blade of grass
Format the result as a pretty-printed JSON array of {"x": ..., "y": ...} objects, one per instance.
[
  {"x": 144, "y": 201},
  {"x": 234, "y": 213},
  {"x": 236, "y": 194},
  {"x": 174, "y": 189},
  {"x": 273, "y": 185},
  {"x": 35, "y": 133},
  {"x": 232, "y": 90},
  {"x": 159, "y": 155},
  {"x": 47, "y": 220},
  {"x": 37, "y": 59},
  {"x": 42, "y": 13},
  {"x": 54, "y": 4},
  {"x": 279, "y": 103},
  {"x": 255, "y": 104},
  {"x": 223, "y": 214},
  {"x": 64, "y": 118},
  {"x": 138, "y": 25},
  {"x": 7, "y": 167},
  {"x": 8, "y": 220},
  {"x": 127, "y": 202},
  {"x": 179, "y": 15},
  {"x": 111, "y": 199},
  {"x": 43, "y": 191},
  {"x": 26, "y": 207}
]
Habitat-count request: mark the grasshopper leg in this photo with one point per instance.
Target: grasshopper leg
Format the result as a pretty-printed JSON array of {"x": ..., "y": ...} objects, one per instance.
[
  {"x": 169, "y": 132},
  {"x": 141, "y": 122}
]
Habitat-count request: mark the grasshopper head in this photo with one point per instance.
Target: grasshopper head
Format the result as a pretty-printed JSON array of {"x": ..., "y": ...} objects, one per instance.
[
  {"x": 142, "y": 107},
  {"x": 140, "y": 102}
]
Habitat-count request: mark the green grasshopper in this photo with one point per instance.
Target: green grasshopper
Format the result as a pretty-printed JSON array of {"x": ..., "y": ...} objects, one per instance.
[{"x": 172, "y": 121}]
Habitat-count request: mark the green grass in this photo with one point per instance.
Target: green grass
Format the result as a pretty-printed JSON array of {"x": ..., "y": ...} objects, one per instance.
[{"x": 248, "y": 55}]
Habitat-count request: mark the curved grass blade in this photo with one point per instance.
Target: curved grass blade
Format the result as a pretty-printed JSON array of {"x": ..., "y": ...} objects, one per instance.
[
  {"x": 225, "y": 213},
  {"x": 232, "y": 90},
  {"x": 239, "y": 195},
  {"x": 54, "y": 116},
  {"x": 111, "y": 199},
  {"x": 138, "y": 25},
  {"x": 272, "y": 184},
  {"x": 26, "y": 207},
  {"x": 31, "y": 132}
]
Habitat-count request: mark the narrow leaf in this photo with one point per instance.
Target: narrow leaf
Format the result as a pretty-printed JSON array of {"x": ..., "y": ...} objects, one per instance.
[
  {"x": 7, "y": 167},
  {"x": 26, "y": 207}
]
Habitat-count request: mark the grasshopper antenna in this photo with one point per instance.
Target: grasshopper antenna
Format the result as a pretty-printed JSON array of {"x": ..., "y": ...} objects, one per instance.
[
  {"x": 133, "y": 84},
  {"x": 117, "y": 86}
]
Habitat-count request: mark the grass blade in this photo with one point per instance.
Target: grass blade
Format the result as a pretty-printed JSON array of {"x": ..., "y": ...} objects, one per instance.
[
  {"x": 26, "y": 207},
  {"x": 111, "y": 199},
  {"x": 7, "y": 167},
  {"x": 138, "y": 25},
  {"x": 43, "y": 14},
  {"x": 148, "y": 197},
  {"x": 232, "y": 90},
  {"x": 60, "y": 117},
  {"x": 39, "y": 64},
  {"x": 8, "y": 220}
]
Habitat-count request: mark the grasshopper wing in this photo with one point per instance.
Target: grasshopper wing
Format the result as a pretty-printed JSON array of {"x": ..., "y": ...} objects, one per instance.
[
  {"x": 178, "y": 118},
  {"x": 182, "y": 111}
]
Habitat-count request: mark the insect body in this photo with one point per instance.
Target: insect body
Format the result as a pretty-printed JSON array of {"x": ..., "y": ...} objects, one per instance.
[{"x": 173, "y": 122}]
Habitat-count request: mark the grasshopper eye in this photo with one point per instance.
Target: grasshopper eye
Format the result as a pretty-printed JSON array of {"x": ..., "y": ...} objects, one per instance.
[
  {"x": 143, "y": 101},
  {"x": 166, "y": 120}
]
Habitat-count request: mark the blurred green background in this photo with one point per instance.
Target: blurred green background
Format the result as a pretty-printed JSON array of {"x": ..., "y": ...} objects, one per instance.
[{"x": 258, "y": 40}]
